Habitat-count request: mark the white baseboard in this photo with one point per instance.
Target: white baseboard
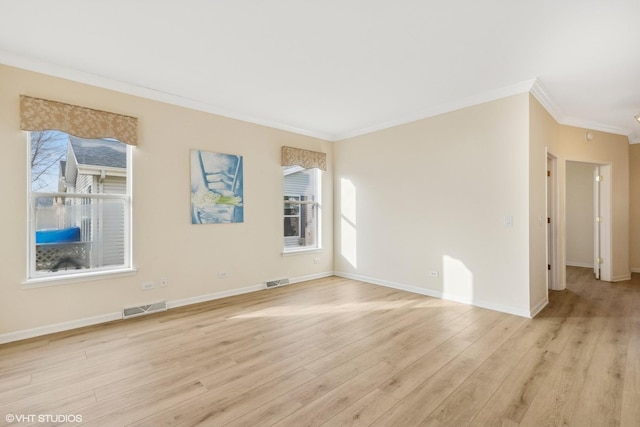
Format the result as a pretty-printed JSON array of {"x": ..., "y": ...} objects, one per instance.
[
  {"x": 635, "y": 270},
  {"x": 437, "y": 294},
  {"x": 240, "y": 291},
  {"x": 394, "y": 285},
  {"x": 58, "y": 327},
  {"x": 89, "y": 321},
  {"x": 579, "y": 264},
  {"x": 310, "y": 277},
  {"x": 539, "y": 306},
  {"x": 216, "y": 295},
  {"x": 621, "y": 278}
]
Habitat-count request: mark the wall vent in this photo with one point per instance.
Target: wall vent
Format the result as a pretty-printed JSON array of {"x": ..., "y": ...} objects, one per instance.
[
  {"x": 144, "y": 309},
  {"x": 274, "y": 283}
]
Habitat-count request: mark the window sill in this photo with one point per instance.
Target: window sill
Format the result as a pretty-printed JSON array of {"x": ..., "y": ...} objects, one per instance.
[
  {"x": 66, "y": 279},
  {"x": 301, "y": 251}
]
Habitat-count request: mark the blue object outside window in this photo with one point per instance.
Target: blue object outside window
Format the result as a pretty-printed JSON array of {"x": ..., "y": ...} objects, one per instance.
[{"x": 63, "y": 235}]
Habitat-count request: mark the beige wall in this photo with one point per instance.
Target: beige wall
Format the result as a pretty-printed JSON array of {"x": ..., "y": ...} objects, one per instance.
[
  {"x": 543, "y": 141},
  {"x": 580, "y": 215},
  {"x": 634, "y": 207},
  {"x": 432, "y": 196},
  {"x": 165, "y": 242}
]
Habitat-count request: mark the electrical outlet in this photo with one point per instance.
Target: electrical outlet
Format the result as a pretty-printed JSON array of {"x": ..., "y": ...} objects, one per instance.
[
  {"x": 147, "y": 286},
  {"x": 164, "y": 282},
  {"x": 434, "y": 274},
  {"x": 223, "y": 275},
  {"x": 316, "y": 260}
]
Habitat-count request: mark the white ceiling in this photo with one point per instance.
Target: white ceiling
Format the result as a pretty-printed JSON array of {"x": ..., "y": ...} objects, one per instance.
[{"x": 337, "y": 68}]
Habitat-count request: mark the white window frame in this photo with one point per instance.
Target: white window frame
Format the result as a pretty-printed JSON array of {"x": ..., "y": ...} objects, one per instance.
[
  {"x": 293, "y": 202},
  {"x": 39, "y": 279},
  {"x": 318, "y": 207}
]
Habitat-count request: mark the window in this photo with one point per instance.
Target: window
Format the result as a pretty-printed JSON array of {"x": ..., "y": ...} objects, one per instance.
[
  {"x": 80, "y": 203},
  {"x": 301, "y": 208}
]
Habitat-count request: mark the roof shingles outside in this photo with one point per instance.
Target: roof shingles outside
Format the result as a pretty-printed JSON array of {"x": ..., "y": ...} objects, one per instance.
[{"x": 99, "y": 152}]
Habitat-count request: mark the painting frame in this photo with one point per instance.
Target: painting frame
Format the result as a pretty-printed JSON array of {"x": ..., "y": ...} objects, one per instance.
[{"x": 217, "y": 187}]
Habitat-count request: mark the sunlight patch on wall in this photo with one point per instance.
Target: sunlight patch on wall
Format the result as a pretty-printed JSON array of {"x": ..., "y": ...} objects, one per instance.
[
  {"x": 457, "y": 279},
  {"x": 348, "y": 232}
]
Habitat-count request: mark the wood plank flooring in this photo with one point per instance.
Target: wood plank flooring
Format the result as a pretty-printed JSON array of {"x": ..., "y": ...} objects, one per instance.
[{"x": 337, "y": 352}]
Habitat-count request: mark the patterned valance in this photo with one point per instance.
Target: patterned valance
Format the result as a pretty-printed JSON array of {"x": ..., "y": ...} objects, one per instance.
[
  {"x": 305, "y": 158},
  {"x": 40, "y": 114}
]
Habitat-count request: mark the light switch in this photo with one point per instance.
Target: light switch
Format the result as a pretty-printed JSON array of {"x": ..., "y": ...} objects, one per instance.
[{"x": 508, "y": 221}]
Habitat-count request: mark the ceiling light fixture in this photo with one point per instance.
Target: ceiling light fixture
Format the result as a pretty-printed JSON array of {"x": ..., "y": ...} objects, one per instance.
[{"x": 637, "y": 117}]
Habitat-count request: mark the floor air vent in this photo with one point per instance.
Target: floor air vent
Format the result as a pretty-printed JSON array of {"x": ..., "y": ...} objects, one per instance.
[
  {"x": 144, "y": 309},
  {"x": 274, "y": 283}
]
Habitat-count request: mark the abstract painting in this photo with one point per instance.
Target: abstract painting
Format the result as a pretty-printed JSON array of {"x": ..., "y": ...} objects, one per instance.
[{"x": 216, "y": 188}]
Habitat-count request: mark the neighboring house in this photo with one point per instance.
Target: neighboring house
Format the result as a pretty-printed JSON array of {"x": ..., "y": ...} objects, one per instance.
[
  {"x": 300, "y": 214},
  {"x": 97, "y": 166}
]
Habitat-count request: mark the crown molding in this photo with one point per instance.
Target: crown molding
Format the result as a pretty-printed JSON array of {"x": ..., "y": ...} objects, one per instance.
[
  {"x": 542, "y": 95},
  {"x": 534, "y": 86},
  {"x": 586, "y": 124},
  {"x": 634, "y": 139},
  {"x": 19, "y": 61},
  {"x": 480, "y": 98}
]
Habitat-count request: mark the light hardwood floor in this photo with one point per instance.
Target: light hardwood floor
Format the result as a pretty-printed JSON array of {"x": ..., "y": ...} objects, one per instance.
[{"x": 338, "y": 352}]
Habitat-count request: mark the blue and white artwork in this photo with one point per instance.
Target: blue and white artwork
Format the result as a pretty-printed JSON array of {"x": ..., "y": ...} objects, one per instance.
[{"x": 216, "y": 188}]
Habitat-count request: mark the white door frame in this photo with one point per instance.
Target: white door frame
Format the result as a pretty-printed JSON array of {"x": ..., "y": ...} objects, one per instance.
[
  {"x": 596, "y": 221},
  {"x": 605, "y": 226},
  {"x": 552, "y": 212}
]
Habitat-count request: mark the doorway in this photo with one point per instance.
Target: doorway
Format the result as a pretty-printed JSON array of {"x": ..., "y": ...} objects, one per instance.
[{"x": 588, "y": 217}]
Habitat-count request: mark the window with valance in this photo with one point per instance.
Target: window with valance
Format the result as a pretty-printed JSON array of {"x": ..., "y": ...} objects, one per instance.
[
  {"x": 80, "y": 197},
  {"x": 302, "y": 198}
]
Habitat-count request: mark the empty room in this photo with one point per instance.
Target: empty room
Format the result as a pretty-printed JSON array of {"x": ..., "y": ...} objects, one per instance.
[{"x": 407, "y": 213}]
